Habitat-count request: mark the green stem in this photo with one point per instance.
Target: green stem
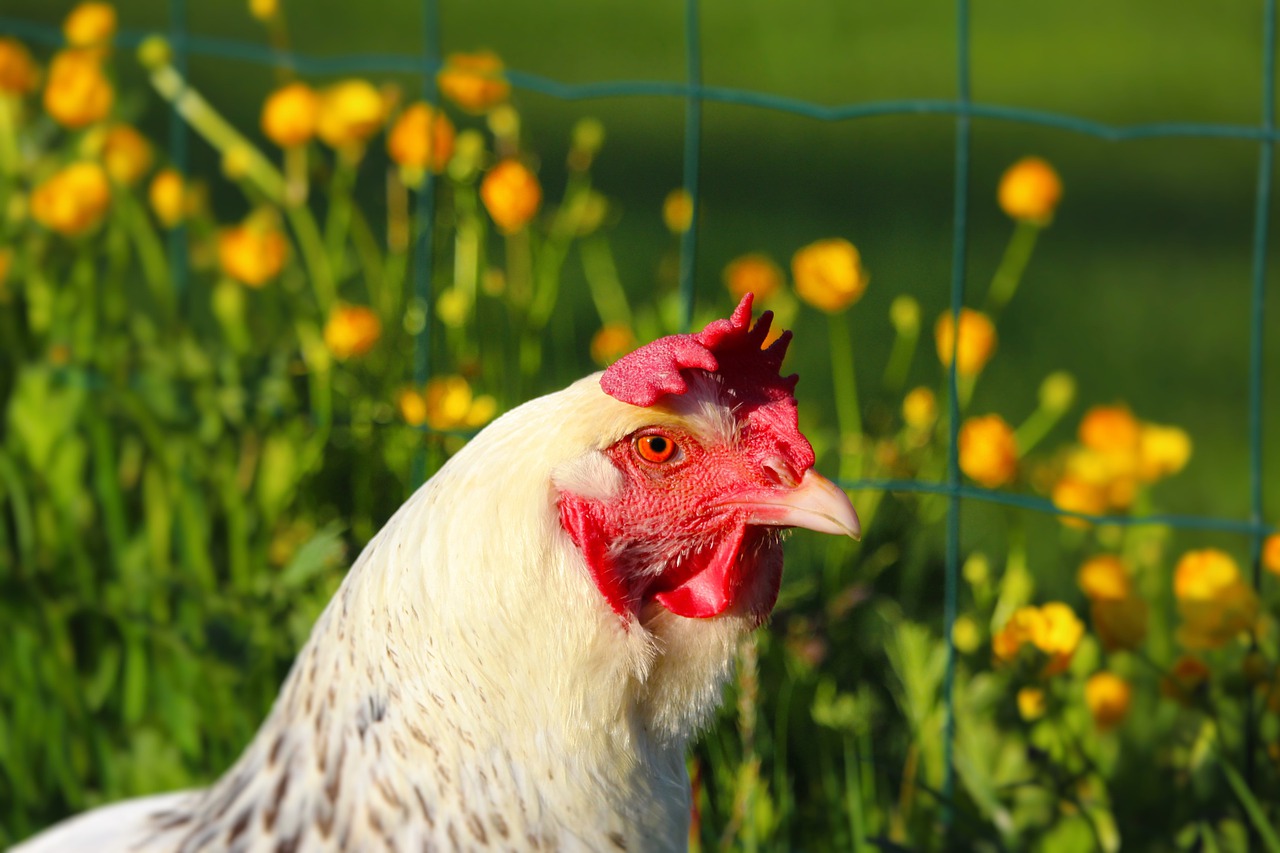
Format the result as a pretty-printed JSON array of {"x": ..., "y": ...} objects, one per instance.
[
  {"x": 603, "y": 283},
  {"x": 1012, "y": 265},
  {"x": 1035, "y": 428},
  {"x": 904, "y": 350},
  {"x": 151, "y": 254},
  {"x": 848, "y": 413},
  {"x": 313, "y": 255},
  {"x": 853, "y": 795}
]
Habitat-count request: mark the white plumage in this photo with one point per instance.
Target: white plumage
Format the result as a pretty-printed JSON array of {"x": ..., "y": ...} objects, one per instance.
[{"x": 468, "y": 686}]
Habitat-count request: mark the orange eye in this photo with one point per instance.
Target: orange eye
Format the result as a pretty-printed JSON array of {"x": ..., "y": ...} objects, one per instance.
[{"x": 655, "y": 448}]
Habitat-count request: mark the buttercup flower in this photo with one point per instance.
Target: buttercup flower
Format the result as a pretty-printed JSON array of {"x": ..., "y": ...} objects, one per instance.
[
  {"x": 1074, "y": 494},
  {"x": 73, "y": 200},
  {"x": 988, "y": 451},
  {"x": 167, "y": 197},
  {"x": 351, "y": 331},
  {"x": 421, "y": 138},
  {"x": 752, "y": 273},
  {"x": 451, "y": 405},
  {"x": 1119, "y": 615},
  {"x": 611, "y": 343},
  {"x": 1108, "y": 696},
  {"x": 1214, "y": 601},
  {"x": 351, "y": 111},
  {"x": 412, "y": 406},
  {"x": 252, "y": 253},
  {"x": 473, "y": 81},
  {"x": 677, "y": 211},
  {"x": 126, "y": 154},
  {"x": 977, "y": 341},
  {"x": 1162, "y": 450},
  {"x": 920, "y": 409},
  {"x": 1031, "y": 703},
  {"x": 511, "y": 194},
  {"x": 90, "y": 25},
  {"x": 1271, "y": 554},
  {"x": 264, "y": 10},
  {"x": 1112, "y": 430},
  {"x": 77, "y": 92},
  {"x": 1030, "y": 190},
  {"x": 1054, "y": 629},
  {"x": 829, "y": 274},
  {"x": 17, "y": 71},
  {"x": 290, "y": 115},
  {"x": 965, "y": 634},
  {"x": 1015, "y": 633},
  {"x": 1104, "y": 578}
]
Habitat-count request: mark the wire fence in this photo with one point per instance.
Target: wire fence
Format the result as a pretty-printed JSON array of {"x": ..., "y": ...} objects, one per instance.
[{"x": 694, "y": 94}]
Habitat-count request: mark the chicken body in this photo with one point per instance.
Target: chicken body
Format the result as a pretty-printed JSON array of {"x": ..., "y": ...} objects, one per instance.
[{"x": 486, "y": 676}]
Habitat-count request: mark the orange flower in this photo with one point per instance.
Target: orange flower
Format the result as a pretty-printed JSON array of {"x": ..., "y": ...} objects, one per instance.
[
  {"x": 1074, "y": 494},
  {"x": 73, "y": 200},
  {"x": 977, "y": 341},
  {"x": 350, "y": 112},
  {"x": 290, "y": 114},
  {"x": 1054, "y": 629},
  {"x": 1112, "y": 430},
  {"x": 677, "y": 211},
  {"x": 422, "y": 137},
  {"x": 168, "y": 197},
  {"x": 17, "y": 71},
  {"x": 988, "y": 451},
  {"x": 1108, "y": 697},
  {"x": 1030, "y": 191},
  {"x": 1104, "y": 578},
  {"x": 90, "y": 25},
  {"x": 920, "y": 409},
  {"x": 451, "y": 405},
  {"x": 1162, "y": 450},
  {"x": 473, "y": 81},
  {"x": 511, "y": 194},
  {"x": 252, "y": 253},
  {"x": 753, "y": 273},
  {"x": 126, "y": 154},
  {"x": 351, "y": 331},
  {"x": 611, "y": 343},
  {"x": 77, "y": 92},
  {"x": 829, "y": 274},
  {"x": 1214, "y": 601},
  {"x": 1015, "y": 633},
  {"x": 1271, "y": 554}
]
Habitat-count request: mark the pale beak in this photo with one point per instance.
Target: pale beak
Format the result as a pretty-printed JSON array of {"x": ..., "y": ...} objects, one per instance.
[{"x": 815, "y": 504}]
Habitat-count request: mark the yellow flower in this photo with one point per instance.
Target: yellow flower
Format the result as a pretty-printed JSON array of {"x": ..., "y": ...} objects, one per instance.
[
  {"x": 73, "y": 200},
  {"x": 965, "y": 634},
  {"x": 1015, "y": 633},
  {"x": 450, "y": 404},
  {"x": 611, "y": 343},
  {"x": 90, "y": 24},
  {"x": 77, "y": 93},
  {"x": 1121, "y": 624},
  {"x": 264, "y": 10},
  {"x": 1057, "y": 634},
  {"x": 1111, "y": 430},
  {"x": 1185, "y": 679},
  {"x": 252, "y": 253},
  {"x": 677, "y": 211},
  {"x": 1104, "y": 578},
  {"x": 1214, "y": 601},
  {"x": 1074, "y": 494},
  {"x": 168, "y": 197},
  {"x": 17, "y": 71},
  {"x": 752, "y": 273},
  {"x": 473, "y": 81},
  {"x": 290, "y": 114},
  {"x": 350, "y": 112},
  {"x": 1030, "y": 190},
  {"x": 351, "y": 331},
  {"x": 126, "y": 154},
  {"x": 422, "y": 137},
  {"x": 413, "y": 407},
  {"x": 920, "y": 409},
  {"x": 829, "y": 274},
  {"x": 1108, "y": 696},
  {"x": 511, "y": 194},
  {"x": 977, "y": 341},
  {"x": 1162, "y": 450},
  {"x": 1031, "y": 703},
  {"x": 1271, "y": 554},
  {"x": 988, "y": 451}
]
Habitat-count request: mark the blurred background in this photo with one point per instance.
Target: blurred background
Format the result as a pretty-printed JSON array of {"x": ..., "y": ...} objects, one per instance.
[{"x": 1140, "y": 289}]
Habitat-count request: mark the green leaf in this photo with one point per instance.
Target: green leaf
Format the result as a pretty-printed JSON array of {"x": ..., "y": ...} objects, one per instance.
[
  {"x": 1257, "y": 817},
  {"x": 324, "y": 550}
]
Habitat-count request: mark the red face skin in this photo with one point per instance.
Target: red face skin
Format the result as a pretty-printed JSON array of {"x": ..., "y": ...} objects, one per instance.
[{"x": 680, "y": 531}]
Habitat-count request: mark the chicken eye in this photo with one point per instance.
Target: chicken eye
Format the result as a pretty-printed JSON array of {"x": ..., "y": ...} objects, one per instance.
[{"x": 655, "y": 448}]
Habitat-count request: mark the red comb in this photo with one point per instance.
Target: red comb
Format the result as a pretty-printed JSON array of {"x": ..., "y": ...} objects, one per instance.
[{"x": 732, "y": 348}]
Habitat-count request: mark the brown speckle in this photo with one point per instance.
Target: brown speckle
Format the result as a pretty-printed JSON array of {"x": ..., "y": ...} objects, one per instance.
[
  {"x": 272, "y": 811},
  {"x": 477, "y": 828},
  {"x": 240, "y": 825},
  {"x": 427, "y": 814},
  {"x": 499, "y": 824},
  {"x": 274, "y": 755},
  {"x": 617, "y": 840},
  {"x": 288, "y": 845}
]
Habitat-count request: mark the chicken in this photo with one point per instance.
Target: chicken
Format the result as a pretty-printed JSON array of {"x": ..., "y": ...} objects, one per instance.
[{"x": 521, "y": 655}]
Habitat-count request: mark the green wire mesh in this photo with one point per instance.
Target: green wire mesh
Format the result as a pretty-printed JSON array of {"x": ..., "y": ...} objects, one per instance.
[{"x": 694, "y": 94}]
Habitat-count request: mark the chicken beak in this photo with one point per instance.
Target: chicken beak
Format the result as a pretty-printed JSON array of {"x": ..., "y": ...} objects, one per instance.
[{"x": 815, "y": 504}]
